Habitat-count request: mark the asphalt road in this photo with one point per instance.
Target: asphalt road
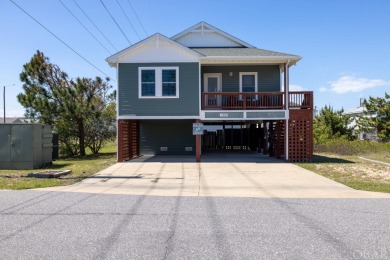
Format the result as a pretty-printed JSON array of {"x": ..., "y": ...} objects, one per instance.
[{"x": 59, "y": 225}]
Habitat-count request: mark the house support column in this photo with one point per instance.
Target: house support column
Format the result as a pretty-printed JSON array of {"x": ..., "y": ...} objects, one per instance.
[
  {"x": 128, "y": 140},
  {"x": 120, "y": 141},
  {"x": 286, "y": 104},
  {"x": 265, "y": 137},
  {"x": 198, "y": 145}
]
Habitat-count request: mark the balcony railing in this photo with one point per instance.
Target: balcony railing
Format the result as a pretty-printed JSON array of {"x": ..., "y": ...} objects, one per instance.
[
  {"x": 256, "y": 100},
  {"x": 301, "y": 99}
]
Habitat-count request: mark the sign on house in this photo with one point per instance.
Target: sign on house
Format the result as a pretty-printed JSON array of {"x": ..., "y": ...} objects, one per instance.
[{"x": 197, "y": 129}]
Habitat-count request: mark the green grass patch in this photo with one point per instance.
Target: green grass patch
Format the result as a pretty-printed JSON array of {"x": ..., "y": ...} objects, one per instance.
[
  {"x": 344, "y": 147},
  {"x": 81, "y": 168},
  {"x": 352, "y": 171}
]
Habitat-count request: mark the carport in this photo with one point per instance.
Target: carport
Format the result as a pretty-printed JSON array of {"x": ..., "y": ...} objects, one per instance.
[{"x": 216, "y": 156}]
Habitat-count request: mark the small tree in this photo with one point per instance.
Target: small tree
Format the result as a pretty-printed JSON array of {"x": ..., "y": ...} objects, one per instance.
[
  {"x": 377, "y": 117},
  {"x": 55, "y": 99},
  {"x": 101, "y": 128},
  {"x": 330, "y": 124}
]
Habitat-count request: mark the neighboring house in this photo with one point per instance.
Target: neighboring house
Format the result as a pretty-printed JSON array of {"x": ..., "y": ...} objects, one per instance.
[
  {"x": 12, "y": 120},
  {"x": 206, "y": 75},
  {"x": 360, "y": 111}
]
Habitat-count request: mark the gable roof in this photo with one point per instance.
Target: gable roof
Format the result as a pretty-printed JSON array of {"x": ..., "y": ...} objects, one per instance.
[
  {"x": 12, "y": 120},
  {"x": 114, "y": 59},
  {"x": 210, "y": 45},
  {"x": 203, "y": 27}
]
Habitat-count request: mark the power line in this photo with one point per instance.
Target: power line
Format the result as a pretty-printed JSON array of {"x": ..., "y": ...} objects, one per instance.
[
  {"x": 58, "y": 38},
  {"x": 115, "y": 22},
  {"x": 75, "y": 17},
  {"x": 128, "y": 19},
  {"x": 136, "y": 15},
  {"x": 97, "y": 28}
]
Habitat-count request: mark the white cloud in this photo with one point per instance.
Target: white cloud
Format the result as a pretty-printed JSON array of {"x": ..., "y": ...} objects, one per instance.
[
  {"x": 347, "y": 84},
  {"x": 297, "y": 88},
  {"x": 322, "y": 89}
]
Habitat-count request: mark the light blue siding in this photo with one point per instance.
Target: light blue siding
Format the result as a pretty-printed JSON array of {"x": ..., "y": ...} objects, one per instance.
[
  {"x": 186, "y": 105},
  {"x": 268, "y": 76},
  {"x": 175, "y": 135}
]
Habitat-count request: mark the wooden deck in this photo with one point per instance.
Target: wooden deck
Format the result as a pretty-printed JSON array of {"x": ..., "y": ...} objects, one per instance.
[{"x": 256, "y": 100}]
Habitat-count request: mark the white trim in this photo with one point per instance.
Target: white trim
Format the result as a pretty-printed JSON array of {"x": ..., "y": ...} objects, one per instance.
[
  {"x": 200, "y": 88},
  {"x": 158, "y": 82},
  {"x": 117, "y": 110},
  {"x": 248, "y": 74},
  {"x": 248, "y": 60},
  {"x": 211, "y": 28},
  {"x": 115, "y": 58},
  {"x": 203, "y": 115},
  {"x": 157, "y": 117},
  {"x": 287, "y": 89},
  {"x": 219, "y": 81}
]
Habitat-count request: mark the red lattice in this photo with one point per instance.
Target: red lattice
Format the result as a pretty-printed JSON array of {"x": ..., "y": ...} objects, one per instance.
[
  {"x": 128, "y": 139},
  {"x": 300, "y": 135}
]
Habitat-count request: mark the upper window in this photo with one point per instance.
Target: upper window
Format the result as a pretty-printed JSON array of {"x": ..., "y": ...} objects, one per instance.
[
  {"x": 158, "y": 82},
  {"x": 148, "y": 83},
  {"x": 248, "y": 81}
]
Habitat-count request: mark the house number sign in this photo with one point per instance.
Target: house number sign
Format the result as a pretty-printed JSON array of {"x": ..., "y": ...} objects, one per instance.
[
  {"x": 223, "y": 115},
  {"x": 197, "y": 129}
]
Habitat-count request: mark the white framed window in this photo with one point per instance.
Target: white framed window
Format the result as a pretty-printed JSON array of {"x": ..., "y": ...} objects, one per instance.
[
  {"x": 248, "y": 81},
  {"x": 158, "y": 82}
]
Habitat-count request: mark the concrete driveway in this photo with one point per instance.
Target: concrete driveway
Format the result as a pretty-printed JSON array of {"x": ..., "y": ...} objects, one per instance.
[{"x": 260, "y": 177}]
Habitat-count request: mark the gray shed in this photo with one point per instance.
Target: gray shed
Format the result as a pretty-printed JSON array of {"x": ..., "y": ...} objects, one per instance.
[{"x": 25, "y": 146}]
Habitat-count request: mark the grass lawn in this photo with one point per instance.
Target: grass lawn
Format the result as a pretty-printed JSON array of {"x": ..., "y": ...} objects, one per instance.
[
  {"x": 81, "y": 167},
  {"x": 352, "y": 171}
]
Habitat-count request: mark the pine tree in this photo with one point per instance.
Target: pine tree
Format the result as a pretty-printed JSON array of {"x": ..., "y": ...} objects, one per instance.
[
  {"x": 376, "y": 116},
  {"x": 69, "y": 105},
  {"x": 330, "y": 124}
]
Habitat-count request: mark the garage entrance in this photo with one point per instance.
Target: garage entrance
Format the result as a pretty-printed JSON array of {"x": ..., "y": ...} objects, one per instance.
[{"x": 264, "y": 137}]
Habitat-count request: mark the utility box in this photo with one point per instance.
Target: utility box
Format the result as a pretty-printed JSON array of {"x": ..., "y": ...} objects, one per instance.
[{"x": 25, "y": 146}]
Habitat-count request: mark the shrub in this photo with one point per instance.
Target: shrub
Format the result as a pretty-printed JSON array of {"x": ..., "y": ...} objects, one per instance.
[{"x": 342, "y": 146}]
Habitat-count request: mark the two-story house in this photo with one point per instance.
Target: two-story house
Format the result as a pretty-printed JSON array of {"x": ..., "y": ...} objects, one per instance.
[{"x": 208, "y": 76}]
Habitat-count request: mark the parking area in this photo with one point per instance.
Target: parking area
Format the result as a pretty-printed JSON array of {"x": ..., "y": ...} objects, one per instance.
[{"x": 226, "y": 175}]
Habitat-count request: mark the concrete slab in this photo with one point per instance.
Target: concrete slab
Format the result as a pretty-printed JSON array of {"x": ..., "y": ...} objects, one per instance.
[{"x": 180, "y": 176}]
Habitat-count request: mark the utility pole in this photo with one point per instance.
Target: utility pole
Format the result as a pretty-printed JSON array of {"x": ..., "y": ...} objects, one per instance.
[{"x": 4, "y": 99}]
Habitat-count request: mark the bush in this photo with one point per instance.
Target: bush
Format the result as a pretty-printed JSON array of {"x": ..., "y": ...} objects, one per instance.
[{"x": 342, "y": 146}]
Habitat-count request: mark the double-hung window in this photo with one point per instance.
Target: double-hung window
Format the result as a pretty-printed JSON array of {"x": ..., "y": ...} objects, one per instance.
[
  {"x": 248, "y": 81},
  {"x": 158, "y": 82}
]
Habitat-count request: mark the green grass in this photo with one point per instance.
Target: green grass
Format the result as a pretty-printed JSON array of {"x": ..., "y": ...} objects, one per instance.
[
  {"x": 81, "y": 168},
  {"x": 352, "y": 171}
]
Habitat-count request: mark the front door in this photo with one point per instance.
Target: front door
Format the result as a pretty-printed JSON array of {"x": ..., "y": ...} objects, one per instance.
[{"x": 213, "y": 83}]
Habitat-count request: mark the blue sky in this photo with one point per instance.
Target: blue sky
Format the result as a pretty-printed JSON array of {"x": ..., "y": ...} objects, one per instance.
[{"x": 345, "y": 44}]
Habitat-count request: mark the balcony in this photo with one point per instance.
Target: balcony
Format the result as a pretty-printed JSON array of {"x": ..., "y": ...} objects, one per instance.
[{"x": 256, "y": 100}]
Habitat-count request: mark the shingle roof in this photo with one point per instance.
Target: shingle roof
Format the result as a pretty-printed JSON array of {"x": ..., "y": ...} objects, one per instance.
[
  {"x": 11, "y": 120},
  {"x": 240, "y": 52}
]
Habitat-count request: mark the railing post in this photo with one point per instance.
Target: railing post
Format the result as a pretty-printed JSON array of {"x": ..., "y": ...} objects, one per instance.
[{"x": 244, "y": 101}]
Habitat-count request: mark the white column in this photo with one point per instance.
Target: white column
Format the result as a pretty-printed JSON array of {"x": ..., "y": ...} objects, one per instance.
[{"x": 287, "y": 100}]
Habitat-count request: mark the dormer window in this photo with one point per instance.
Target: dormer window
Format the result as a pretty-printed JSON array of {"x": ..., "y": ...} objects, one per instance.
[{"x": 158, "y": 82}]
